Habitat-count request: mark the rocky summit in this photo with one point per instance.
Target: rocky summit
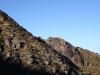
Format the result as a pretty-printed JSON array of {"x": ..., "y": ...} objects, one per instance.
[{"x": 21, "y": 53}]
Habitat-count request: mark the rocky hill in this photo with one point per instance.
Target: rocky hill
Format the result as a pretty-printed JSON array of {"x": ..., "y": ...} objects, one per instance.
[
  {"x": 88, "y": 61},
  {"x": 21, "y": 53}
]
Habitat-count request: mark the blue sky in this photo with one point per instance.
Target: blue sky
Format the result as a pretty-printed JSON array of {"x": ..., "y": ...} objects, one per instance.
[{"x": 76, "y": 21}]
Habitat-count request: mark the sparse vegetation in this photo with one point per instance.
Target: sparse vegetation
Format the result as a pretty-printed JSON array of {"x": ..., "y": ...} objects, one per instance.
[
  {"x": 88, "y": 61},
  {"x": 30, "y": 55},
  {"x": 30, "y": 52}
]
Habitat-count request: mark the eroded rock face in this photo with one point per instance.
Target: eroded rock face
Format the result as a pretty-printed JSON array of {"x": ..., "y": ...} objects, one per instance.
[
  {"x": 61, "y": 46},
  {"x": 88, "y": 61},
  {"x": 24, "y": 54},
  {"x": 66, "y": 49}
]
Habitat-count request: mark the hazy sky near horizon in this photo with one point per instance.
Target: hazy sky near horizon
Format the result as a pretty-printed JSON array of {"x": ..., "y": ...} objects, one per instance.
[{"x": 76, "y": 21}]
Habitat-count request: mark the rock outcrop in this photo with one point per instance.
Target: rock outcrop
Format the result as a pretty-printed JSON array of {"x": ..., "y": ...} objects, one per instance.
[
  {"x": 88, "y": 61},
  {"x": 24, "y": 54},
  {"x": 67, "y": 50}
]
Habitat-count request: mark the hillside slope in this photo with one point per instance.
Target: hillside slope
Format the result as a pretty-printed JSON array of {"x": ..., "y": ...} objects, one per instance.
[
  {"x": 88, "y": 61},
  {"x": 21, "y": 53}
]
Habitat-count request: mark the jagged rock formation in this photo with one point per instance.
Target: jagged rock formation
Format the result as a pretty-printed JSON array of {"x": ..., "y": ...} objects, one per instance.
[
  {"x": 88, "y": 61},
  {"x": 66, "y": 49},
  {"x": 24, "y": 54}
]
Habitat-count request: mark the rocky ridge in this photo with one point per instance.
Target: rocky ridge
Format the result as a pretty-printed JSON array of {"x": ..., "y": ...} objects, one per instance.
[
  {"x": 67, "y": 50},
  {"x": 21, "y": 53},
  {"x": 88, "y": 61}
]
